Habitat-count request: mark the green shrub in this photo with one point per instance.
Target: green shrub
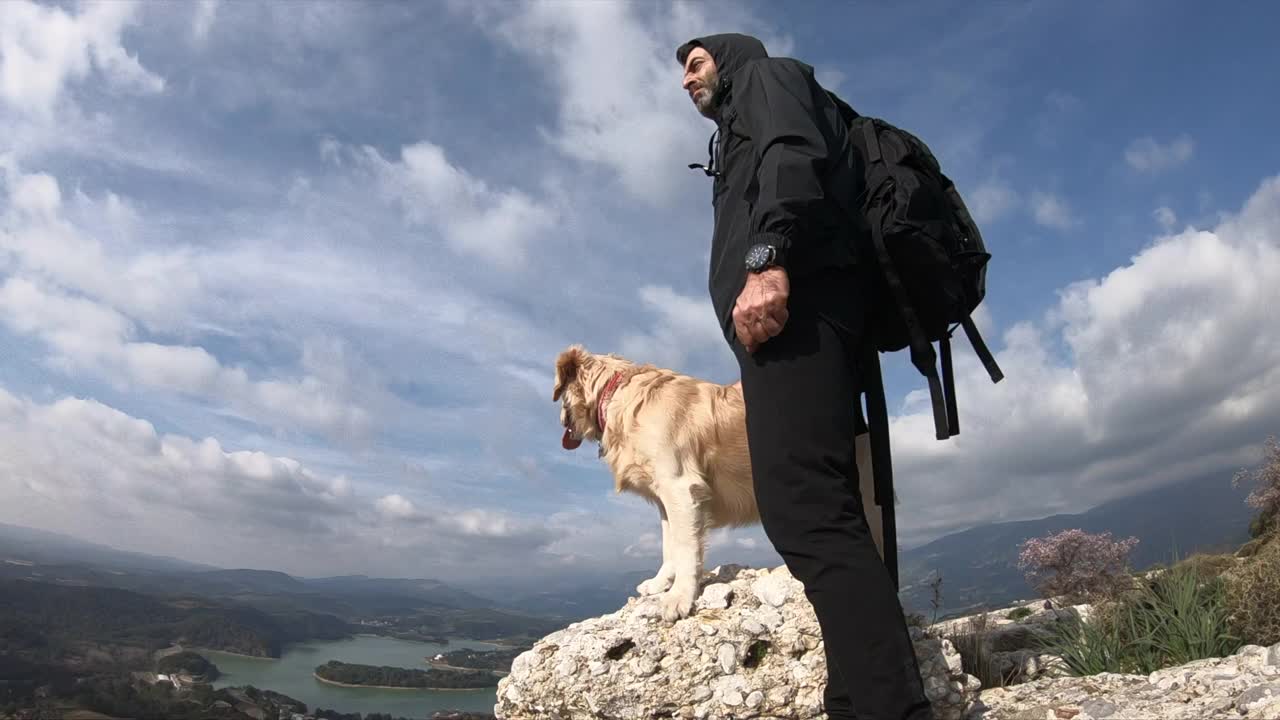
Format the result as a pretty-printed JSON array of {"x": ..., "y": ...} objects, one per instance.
[
  {"x": 1019, "y": 613},
  {"x": 1174, "y": 618},
  {"x": 1087, "y": 647}
]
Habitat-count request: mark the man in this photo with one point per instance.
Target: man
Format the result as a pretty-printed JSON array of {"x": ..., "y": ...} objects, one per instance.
[{"x": 784, "y": 287}]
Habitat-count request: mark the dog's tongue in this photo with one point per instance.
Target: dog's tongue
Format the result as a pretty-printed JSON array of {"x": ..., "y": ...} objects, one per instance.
[{"x": 569, "y": 442}]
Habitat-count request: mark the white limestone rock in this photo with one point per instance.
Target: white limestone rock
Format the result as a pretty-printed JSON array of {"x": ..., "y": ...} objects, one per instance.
[{"x": 760, "y": 655}]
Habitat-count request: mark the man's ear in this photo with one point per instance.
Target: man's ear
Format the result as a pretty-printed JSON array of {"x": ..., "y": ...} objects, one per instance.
[{"x": 567, "y": 365}]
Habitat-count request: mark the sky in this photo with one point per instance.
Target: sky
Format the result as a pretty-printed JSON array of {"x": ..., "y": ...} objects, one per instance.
[{"x": 282, "y": 284}]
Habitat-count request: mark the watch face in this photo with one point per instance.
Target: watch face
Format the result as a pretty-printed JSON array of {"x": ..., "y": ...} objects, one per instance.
[{"x": 757, "y": 257}]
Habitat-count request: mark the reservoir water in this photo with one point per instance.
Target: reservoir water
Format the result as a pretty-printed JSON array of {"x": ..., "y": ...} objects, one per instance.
[{"x": 293, "y": 675}]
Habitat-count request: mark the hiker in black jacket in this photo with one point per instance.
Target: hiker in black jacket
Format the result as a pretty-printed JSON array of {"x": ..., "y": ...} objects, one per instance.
[{"x": 784, "y": 286}]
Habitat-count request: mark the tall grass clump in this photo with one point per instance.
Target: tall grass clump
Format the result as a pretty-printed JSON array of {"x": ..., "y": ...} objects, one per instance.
[{"x": 1173, "y": 618}]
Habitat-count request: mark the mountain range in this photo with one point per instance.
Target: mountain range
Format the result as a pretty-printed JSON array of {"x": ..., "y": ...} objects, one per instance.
[{"x": 977, "y": 566}]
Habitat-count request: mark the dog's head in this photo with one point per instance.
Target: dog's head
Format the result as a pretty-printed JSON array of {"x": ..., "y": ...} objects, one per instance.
[{"x": 580, "y": 378}]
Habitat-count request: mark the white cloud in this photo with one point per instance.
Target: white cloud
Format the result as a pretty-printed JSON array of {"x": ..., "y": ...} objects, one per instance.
[
  {"x": 829, "y": 78},
  {"x": 492, "y": 225},
  {"x": 1147, "y": 155},
  {"x": 45, "y": 236},
  {"x": 396, "y": 506},
  {"x": 203, "y": 16},
  {"x": 628, "y": 114},
  {"x": 1166, "y": 217},
  {"x": 95, "y": 298},
  {"x": 990, "y": 201},
  {"x": 87, "y": 336},
  {"x": 1051, "y": 210},
  {"x": 79, "y": 466},
  {"x": 647, "y": 546},
  {"x": 683, "y": 327},
  {"x": 1171, "y": 371},
  {"x": 92, "y": 460},
  {"x": 42, "y": 49}
]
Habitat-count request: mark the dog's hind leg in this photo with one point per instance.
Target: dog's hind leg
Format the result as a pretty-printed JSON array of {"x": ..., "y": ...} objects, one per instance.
[
  {"x": 685, "y": 497},
  {"x": 667, "y": 572}
]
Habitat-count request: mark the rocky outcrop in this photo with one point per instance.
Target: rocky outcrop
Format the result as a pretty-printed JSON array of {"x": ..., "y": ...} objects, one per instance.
[
  {"x": 1013, "y": 637},
  {"x": 752, "y": 649},
  {"x": 1244, "y": 686}
]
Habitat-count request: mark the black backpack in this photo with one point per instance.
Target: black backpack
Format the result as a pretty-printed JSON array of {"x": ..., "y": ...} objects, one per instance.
[
  {"x": 933, "y": 271},
  {"x": 930, "y": 253}
]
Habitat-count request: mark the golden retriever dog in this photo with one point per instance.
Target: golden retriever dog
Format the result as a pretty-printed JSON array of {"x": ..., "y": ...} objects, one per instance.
[{"x": 680, "y": 443}]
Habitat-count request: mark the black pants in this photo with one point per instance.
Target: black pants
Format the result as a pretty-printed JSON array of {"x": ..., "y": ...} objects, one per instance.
[{"x": 801, "y": 390}]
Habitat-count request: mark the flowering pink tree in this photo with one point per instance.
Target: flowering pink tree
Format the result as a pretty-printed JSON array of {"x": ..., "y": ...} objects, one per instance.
[
  {"x": 1075, "y": 564},
  {"x": 1266, "y": 495}
]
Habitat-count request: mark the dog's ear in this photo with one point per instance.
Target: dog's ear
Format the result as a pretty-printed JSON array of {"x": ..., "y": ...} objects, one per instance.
[{"x": 567, "y": 366}]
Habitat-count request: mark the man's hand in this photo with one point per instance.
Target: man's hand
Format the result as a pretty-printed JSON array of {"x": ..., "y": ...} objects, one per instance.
[{"x": 761, "y": 310}]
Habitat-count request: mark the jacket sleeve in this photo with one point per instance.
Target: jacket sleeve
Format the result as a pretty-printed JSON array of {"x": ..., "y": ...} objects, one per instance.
[{"x": 776, "y": 106}]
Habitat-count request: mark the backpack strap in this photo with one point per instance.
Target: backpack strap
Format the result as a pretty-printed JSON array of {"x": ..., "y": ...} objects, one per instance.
[
  {"x": 949, "y": 386},
  {"x": 922, "y": 355},
  {"x": 881, "y": 457},
  {"x": 980, "y": 347}
]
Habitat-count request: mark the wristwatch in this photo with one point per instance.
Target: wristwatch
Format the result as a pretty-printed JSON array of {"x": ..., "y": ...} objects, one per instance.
[{"x": 762, "y": 256}]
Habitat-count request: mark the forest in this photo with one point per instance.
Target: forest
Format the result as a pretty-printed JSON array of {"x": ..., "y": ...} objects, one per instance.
[{"x": 387, "y": 676}]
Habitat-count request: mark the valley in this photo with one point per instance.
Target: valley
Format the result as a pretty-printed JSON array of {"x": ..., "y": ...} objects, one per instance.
[{"x": 130, "y": 635}]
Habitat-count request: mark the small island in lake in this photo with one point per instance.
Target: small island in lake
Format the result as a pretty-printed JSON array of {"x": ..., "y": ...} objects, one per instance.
[
  {"x": 385, "y": 676},
  {"x": 497, "y": 660},
  {"x": 193, "y": 667}
]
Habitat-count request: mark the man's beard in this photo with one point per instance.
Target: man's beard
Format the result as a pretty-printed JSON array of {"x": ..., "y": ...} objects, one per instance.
[{"x": 709, "y": 102}]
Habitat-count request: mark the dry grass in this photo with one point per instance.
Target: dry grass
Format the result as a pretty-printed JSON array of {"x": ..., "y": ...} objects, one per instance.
[
  {"x": 974, "y": 647},
  {"x": 1252, "y": 592},
  {"x": 1209, "y": 566}
]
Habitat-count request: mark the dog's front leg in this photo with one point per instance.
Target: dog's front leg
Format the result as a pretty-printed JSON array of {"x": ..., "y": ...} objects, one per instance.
[
  {"x": 667, "y": 572},
  {"x": 684, "y": 497}
]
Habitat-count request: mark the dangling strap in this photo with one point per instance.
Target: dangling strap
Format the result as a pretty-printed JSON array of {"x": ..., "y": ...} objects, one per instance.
[
  {"x": 949, "y": 386},
  {"x": 922, "y": 355},
  {"x": 980, "y": 347},
  {"x": 881, "y": 458}
]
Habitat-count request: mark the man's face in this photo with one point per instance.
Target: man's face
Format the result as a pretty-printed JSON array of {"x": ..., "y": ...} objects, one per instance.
[{"x": 700, "y": 80}]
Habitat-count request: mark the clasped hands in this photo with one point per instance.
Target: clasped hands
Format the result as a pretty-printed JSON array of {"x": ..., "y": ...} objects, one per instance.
[{"x": 761, "y": 310}]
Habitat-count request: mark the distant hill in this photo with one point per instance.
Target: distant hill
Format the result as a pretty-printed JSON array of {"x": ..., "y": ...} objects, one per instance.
[
  {"x": 427, "y": 591},
  {"x": 588, "y": 598},
  {"x": 979, "y": 565},
  {"x": 410, "y": 608},
  {"x": 85, "y": 625},
  {"x": 24, "y": 543},
  {"x": 38, "y": 554}
]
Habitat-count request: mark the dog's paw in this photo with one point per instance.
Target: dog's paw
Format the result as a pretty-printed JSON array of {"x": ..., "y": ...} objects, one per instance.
[
  {"x": 678, "y": 602},
  {"x": 657, "y": 584}
]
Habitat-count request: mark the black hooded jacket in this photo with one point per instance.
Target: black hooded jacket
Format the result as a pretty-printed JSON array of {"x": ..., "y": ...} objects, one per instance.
[{"x": 780, "y": 153}]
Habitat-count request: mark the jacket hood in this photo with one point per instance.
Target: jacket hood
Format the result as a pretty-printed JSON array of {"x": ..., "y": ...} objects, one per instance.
[{"x": 730, "y": 51}]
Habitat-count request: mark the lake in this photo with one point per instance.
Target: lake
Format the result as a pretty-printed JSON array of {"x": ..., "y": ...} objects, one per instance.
[{"x": 292, "y": 674}]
